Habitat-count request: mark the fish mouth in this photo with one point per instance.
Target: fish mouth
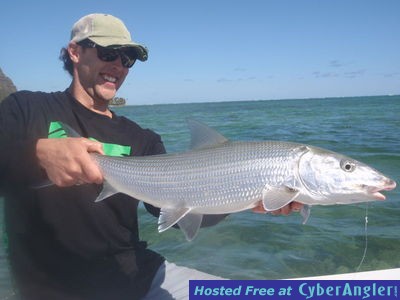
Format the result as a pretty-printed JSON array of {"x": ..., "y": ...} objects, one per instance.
[{"x": 375, "y": 192}]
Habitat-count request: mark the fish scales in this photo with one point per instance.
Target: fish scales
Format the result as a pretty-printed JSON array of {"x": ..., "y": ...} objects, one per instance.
[{"x": 234, "y": 173}]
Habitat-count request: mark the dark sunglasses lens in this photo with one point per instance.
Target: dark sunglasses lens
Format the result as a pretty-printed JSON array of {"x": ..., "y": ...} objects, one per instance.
[
  {"x": 128, "y": 58},
  {"x": 107, "y": 54}
]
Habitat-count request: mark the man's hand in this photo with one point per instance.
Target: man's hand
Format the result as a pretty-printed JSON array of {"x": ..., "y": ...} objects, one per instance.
[
  {"x": 286, "y": 210},
  {"x": 67, "y": 161}
]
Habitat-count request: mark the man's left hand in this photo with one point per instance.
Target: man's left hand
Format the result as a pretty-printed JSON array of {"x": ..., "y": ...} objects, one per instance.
[{"x": 286, "y": 210}]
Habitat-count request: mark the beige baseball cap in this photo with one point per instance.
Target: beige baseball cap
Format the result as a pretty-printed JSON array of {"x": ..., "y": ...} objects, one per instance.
[{"x": 106, "y": 31}]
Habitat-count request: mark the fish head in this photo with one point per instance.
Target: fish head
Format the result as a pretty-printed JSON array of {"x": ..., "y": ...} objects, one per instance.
[{"x": 332, "y": 178}]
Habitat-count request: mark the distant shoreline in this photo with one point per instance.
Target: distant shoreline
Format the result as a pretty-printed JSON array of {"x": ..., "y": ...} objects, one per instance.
[{"x": 256, "y": 100}]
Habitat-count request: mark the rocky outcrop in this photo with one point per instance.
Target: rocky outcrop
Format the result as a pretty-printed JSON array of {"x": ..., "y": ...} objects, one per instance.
[
  {"x": 6, "y": 86},
  {"x": 118, "y": 101}
]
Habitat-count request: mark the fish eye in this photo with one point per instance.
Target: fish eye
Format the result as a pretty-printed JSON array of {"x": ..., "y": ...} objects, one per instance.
[{"x": 347, "y": 165}]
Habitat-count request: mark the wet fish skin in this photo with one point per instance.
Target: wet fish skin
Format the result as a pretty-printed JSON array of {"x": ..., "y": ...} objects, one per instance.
[{"x": 219, "y": 176}]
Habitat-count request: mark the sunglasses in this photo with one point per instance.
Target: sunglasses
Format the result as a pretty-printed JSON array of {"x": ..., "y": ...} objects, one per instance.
[{"x": 127, "y": 55}]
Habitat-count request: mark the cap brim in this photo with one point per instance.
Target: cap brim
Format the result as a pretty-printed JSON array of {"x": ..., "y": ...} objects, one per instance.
[{"x": 141, "y": 51}]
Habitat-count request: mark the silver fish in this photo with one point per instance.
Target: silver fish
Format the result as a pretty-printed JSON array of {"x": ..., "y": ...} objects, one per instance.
[{"x": 219, "y": 176}]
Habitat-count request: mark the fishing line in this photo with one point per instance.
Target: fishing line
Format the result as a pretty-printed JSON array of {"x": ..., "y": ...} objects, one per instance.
[{"x": 366, "y": 239}]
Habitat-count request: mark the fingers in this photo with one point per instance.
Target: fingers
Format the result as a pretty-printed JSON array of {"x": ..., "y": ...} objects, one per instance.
[
  {"x": 286, "y": 210},
  {"x": 68, "y": 162},
  {"x": 91, "y": 172},
  {"x": 296, "y": 206},
  {"x": 259, "y": 209},
  {"x": 93, "y": 146}
]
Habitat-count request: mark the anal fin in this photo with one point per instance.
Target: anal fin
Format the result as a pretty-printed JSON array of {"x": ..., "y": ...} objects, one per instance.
[{"x": 190, "y": 225}]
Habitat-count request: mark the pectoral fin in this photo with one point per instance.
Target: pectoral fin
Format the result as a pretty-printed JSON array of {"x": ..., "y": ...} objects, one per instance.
[{"x": 276, "y": 197}]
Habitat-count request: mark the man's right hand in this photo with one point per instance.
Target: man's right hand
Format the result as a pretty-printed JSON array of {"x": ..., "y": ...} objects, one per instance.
[{"x": 67, "y": 161}]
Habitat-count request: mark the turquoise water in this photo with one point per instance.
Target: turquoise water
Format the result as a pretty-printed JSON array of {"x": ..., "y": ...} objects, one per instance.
[{"x": 253, "y": 246}]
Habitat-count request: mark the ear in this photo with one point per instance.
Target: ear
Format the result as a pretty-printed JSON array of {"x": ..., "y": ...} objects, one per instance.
[{"x": 73, "y": 51}]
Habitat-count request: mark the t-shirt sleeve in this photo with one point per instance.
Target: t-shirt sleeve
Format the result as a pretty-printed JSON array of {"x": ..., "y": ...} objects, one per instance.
[{"x": 18, "y": 160}]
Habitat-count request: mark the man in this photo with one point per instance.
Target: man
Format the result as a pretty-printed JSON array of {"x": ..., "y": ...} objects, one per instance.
[{"x": 62, "y": 244}]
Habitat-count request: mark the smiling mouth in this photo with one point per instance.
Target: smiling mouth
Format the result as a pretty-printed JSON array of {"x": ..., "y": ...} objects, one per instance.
[{"x": 109, "y": 78}]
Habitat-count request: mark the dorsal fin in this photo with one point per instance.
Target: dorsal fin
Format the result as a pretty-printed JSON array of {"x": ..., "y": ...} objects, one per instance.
[{"x": 203, "y": 136}]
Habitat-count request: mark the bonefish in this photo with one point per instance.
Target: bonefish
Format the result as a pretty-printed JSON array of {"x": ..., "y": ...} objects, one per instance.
[{"x": 219, "y": 176}]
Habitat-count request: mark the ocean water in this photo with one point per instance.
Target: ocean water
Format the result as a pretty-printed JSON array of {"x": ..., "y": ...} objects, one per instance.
[{"x": 254, "y": 246}]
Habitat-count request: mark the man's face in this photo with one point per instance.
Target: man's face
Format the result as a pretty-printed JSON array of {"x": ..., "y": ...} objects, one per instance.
[{"x": 99, "y": 79}]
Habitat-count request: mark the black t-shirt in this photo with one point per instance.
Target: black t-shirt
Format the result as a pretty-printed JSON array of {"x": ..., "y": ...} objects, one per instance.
[{"x": 63, "y": 245}]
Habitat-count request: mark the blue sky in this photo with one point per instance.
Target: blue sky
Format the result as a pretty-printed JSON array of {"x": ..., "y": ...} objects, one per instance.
[{"x": 220, "y": 50}]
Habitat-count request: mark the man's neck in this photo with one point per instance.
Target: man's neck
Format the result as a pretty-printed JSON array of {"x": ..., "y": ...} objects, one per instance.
[{"x": 97, "y": 106}]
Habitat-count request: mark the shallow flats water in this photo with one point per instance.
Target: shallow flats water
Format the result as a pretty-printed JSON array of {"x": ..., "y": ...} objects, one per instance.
[{"x": 253, "y": 246}]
